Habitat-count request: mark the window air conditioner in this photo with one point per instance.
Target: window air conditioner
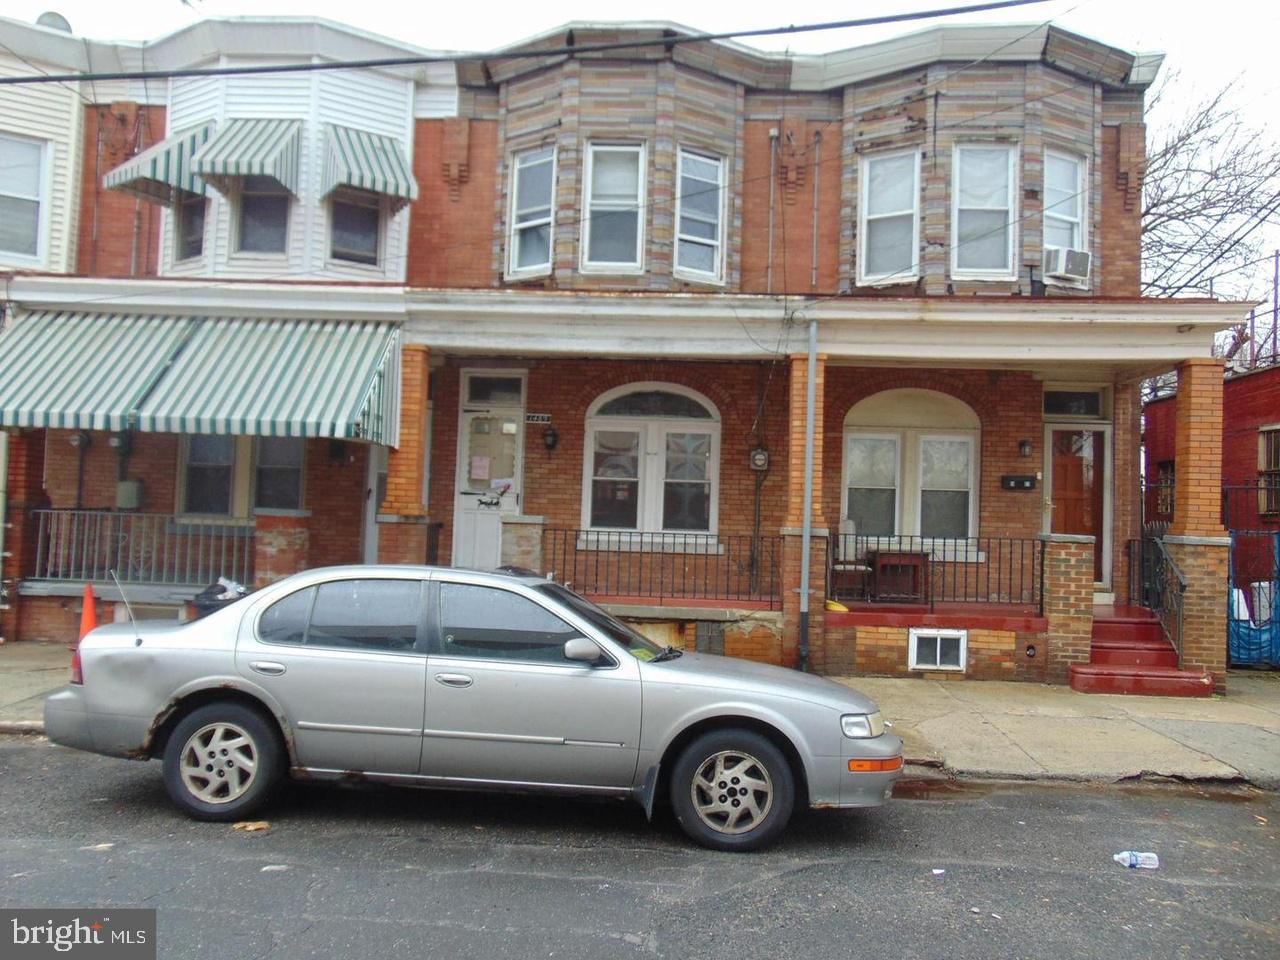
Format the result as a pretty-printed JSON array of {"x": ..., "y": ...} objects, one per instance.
[{"x": 1067, "y": 264}]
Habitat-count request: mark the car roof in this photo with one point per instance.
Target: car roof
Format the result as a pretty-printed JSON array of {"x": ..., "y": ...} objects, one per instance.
[{"x": 502, "y": 574}]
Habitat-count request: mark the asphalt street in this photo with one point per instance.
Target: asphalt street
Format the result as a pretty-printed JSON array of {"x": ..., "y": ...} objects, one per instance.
[{"x": 380, "y": 873}]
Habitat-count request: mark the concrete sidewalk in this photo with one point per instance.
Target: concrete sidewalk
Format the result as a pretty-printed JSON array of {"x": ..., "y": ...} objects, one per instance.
[
  {"x": 969, "y": 728},
  {"x": 1034, "y": 731}
]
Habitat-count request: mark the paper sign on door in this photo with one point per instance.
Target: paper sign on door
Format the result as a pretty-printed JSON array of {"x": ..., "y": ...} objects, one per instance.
[{"x": 479, "y": 468}]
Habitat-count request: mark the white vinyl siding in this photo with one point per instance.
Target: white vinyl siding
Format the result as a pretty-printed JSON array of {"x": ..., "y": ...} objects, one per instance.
[
  {"x": 613, "y": 208},
  {"x": 1064, "y": 196},
  {"x": 984, "y": 211},
  {"x": 700, "y": 217},
  {"x": 531, "y": 234},
  {"x": 49, "y": 114},
  {"x": 889, "y": 218}
]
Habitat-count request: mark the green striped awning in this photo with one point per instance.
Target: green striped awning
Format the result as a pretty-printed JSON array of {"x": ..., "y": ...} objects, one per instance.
[
  {"x": 251, "y": 148},
  {"x": 282, "y": 378},
  {"x": 367, "y": 161},
  {"x": 82, "y": 371},
  {"x": 259, "y": 377},
  {"x": 157, "y": 173}
]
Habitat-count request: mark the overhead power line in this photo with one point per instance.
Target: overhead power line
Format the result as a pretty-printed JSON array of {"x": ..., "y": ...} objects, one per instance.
[{"x": 550, "y": 52}]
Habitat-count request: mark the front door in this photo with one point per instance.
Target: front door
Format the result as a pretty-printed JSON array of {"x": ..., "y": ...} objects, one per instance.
[
  {"x": 1078, "y": 488},
  {"x": 490, "y": 457},
  {"x": 504, "y": 704}
]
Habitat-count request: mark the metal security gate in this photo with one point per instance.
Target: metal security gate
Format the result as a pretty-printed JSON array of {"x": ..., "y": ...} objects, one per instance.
[{"x": 1252, "y": 516}]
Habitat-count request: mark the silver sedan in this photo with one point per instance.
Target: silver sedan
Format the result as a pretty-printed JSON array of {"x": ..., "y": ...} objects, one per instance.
[{"x": 452, "y": 678}]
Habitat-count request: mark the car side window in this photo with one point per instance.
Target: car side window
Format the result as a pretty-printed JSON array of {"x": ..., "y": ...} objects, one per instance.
[
  {"x": 285, "y": 621},
  {"x": 495, "y": 624},
  {"x": 380, "y": 615}
]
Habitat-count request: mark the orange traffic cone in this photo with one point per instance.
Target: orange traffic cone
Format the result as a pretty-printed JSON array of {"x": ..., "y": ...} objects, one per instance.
[{"x": 89, "y": 611}]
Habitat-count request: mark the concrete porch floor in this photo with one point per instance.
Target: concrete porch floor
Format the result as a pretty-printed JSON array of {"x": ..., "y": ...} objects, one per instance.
[{"x": 1015, "y": 730}]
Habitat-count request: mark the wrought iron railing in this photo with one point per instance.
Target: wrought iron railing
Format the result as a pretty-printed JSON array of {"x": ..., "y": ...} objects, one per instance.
[
  {"x": 680, "y": 566},
  {"x": 1157, "y": 583},
  {"x": 153, "y": 548},
  {"x": 933, "y": 570}
]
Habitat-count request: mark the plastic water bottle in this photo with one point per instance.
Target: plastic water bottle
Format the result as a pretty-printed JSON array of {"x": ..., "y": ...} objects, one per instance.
[{"x": 1132, "y": 859}]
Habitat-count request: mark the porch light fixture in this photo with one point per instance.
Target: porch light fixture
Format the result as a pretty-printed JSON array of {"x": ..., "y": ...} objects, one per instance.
[
  {"x": 80, "y": 438},
  {"x": 550, "y": 438},
  {"x": 1024, "y": 448}
]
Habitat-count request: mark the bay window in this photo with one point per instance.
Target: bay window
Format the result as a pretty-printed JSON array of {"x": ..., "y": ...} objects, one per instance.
[
  {"x": 355, "y": 226},
  {"x": 984, "y": 211},
  {"x": 263, "y": 216},
  {"x": 652, "y": 461},
  {"x": 1064, "y": 191},
  {"x": 532, "y": 204},
  {"x": 889, "y": 218},
  {"x": 613, "y": 225},
  {"x": 700, "y": 216},
  {"x": 188, "y": 219}
]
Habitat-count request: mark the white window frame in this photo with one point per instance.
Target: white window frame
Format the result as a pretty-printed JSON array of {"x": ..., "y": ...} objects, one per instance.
[
  {"x": 916, "y": 633},
  {"x": 43, "y": 201},
  {"x": 514, "y": 228},
  {"x": 652, "y": 468},
  {"x": 896, "y": 437},
  {"x": 244, "y": 472},
  {"x": 718, "y": 245},
  {"x": 237, "y": 252},
  {"x": 637, "y": 266},
  {"x": 864, "y": 186},
  {"x": 1082, "y": 194},
  {"x": 1013, "y": 211},
  {"x": 911, "y": 465},
  {"x": 358, "y": 198}
]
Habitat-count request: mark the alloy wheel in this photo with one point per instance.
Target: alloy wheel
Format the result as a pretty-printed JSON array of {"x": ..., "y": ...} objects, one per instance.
[
  {"x": 732, "y": 792},
  {"x": 219, "y": 763}
]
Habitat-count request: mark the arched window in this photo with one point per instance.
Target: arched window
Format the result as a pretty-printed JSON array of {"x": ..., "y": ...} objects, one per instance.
[
  {"x": 652, "y": 460},
  {"x": 911, "y": 465}
]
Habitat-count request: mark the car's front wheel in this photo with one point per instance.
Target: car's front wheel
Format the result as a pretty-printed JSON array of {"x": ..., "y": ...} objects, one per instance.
[
  {"x": 732, "y": 790},
  {"x": 222, "y": 762}
]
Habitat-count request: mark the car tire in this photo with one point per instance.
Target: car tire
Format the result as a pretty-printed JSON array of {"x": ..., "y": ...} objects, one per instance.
[
  {"x": 222, "y": 762},
  {"x": 732, "y": 790}
]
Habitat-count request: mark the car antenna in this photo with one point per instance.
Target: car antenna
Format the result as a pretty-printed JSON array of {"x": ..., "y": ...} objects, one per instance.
[{"x": 129, "y": 609}]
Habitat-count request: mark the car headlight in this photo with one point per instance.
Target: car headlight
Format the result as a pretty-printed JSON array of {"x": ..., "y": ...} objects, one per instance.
[{"x": 862, "y": 726}]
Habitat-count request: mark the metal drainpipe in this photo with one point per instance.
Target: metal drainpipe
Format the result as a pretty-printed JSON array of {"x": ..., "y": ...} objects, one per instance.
[
  {"x": 806, "y": 536},
  {"x": 773, "y": 179},
  {"x": 816, "y": 167},
  {"x": 4, "y": 505}
]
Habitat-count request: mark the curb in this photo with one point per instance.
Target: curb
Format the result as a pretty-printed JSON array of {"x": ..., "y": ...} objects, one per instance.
[{"x": 22, "y": 727}]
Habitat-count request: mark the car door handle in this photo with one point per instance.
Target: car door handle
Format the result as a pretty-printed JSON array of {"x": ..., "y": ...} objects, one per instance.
[
  {"x": 454, "y": 679},
  {"x": 267, "y": 668}
]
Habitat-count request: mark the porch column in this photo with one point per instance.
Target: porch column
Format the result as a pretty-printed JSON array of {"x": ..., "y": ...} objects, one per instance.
[
  {"x": 1127, "y": 502},
  {"x": 1068, "y": 602},
  {"x": 402, "y": 534},
  {"x": 1196, "y": 539},
  {"x": 281, "y": 542},
  {"x": 792, "y": 531},
  {"x": 25, "y": 470}
]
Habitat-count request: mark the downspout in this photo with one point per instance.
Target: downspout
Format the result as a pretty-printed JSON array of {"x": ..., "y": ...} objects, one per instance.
[
  {"x": 4, "y": 519},
  {"x": 773, "y": 179},
  {"x": 813, "y": 223},
  {"x": 806, "y": 536}
]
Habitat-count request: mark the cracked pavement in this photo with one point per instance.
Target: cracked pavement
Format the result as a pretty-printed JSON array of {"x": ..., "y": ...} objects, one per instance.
[{"x": 382, "y": 872}]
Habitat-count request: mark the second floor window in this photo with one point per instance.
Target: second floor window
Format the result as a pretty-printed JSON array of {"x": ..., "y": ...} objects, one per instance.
[
  {"x": 888, "y": 233},
  {"x": 188, "y": 220},
  {"x": 21, "y": 195},
  {"x": 264, "y": 216},
  {"x": 532, "y": 202},
  {"x": 1063, "y": 201},
  {"x": 613, "y": 227},
  {"x": 984, "y": 212},
  {"x": 700, "y": 216},
  {"x": 355, "y": 226}
]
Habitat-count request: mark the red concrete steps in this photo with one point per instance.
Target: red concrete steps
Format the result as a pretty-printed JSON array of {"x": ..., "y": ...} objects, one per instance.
[
  {"x": 1130, "y": 655},
  {"x": 1139, "y": 681}
]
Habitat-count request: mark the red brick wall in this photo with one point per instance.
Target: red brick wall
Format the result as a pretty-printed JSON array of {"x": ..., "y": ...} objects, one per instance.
[
  {"x": 109, "y": 219},
  {"x": 154, "y": 461},
  {"x": 335, "y": 496},
  {"x": 451, "y": 232},
  {"x": 1120, "y": 233}
]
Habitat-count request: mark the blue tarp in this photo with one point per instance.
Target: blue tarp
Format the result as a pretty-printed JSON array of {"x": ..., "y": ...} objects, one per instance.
[{"x": 1254, "y": 642}]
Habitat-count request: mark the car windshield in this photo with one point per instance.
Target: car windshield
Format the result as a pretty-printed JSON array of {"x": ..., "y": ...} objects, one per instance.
[{"x": 635, "y": 643}]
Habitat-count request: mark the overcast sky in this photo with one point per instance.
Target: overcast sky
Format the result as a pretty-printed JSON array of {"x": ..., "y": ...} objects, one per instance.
[{"x": 1207, "y": 44}]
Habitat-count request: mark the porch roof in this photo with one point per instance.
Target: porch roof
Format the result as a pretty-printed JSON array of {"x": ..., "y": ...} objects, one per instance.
[
  {"x": 183, "y": 374},
  {"x": 159, "y": 172}
]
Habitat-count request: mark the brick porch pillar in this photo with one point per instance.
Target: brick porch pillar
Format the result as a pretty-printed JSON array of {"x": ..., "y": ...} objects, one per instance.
[
  {"x": 402, "y": 534},
  {"x": 26, "y": 493},
  {"x": 522, "y": 542},
  {"x": 1196, "y": 540},
  {"x": 792, "y": 531},
  {"x": 281, "y": 543},
  {"x": 1068, "y": 602}
]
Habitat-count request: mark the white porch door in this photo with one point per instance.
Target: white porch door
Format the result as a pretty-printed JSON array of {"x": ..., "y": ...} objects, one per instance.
[{"x": 490, "y": 456}]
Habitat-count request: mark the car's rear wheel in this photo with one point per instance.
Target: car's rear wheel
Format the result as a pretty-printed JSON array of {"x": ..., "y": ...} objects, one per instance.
[
  {"x": 222, "y": 762},
  {"x": 732, "y": 790}
]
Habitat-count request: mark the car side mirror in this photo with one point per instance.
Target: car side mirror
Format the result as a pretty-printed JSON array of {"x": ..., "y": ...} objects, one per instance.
[{"x": 581, "y": 649}]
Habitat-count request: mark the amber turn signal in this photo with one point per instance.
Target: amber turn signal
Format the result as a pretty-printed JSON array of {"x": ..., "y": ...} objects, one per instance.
[{"x": 875, "y": 766}]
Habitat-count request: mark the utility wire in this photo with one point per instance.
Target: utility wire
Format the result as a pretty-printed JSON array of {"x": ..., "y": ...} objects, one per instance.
[{"x": 552, "y": 52}]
